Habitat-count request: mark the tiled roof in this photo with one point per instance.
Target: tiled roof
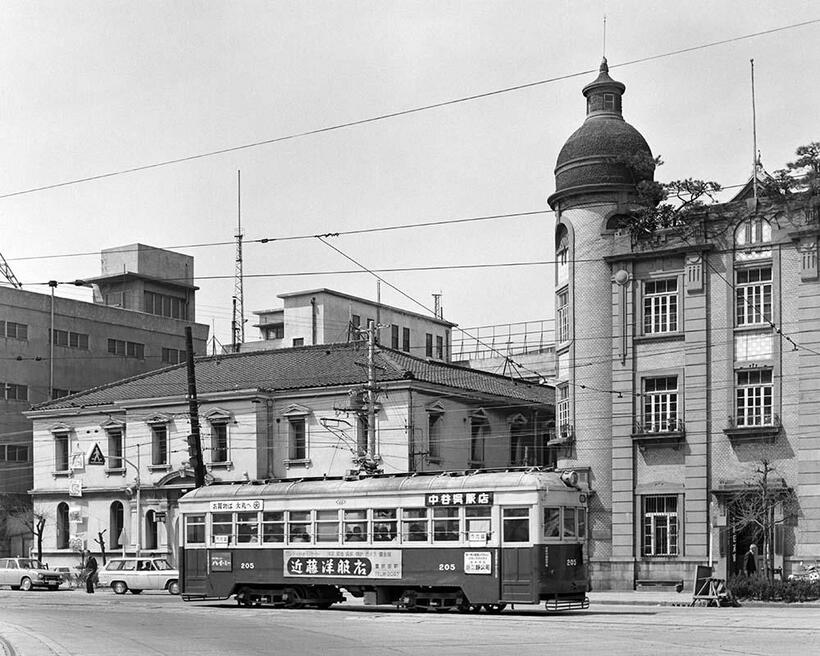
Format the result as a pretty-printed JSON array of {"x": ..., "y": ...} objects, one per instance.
[{"x": 302, "y": 368}]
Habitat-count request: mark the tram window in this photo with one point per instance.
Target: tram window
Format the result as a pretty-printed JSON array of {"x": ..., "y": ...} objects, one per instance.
[
  {"x": 516, "y": 524},
  {"x": 221, "y": 528},
  {"x": 247, "y": 527},
  {"x": 195, "y": 529},
  {"x": 414, "y": 524},
  {"x": 384, "y": 525},
  {"x": 552, "y": 523},
  {"x": 445, "y": 524},
  {"x": 478, "y": 521},
  {"x": 299, "y": 526},
  {"x": 355, "y": 525},
  {"x": 273, "y": 527},
  {"x": 327, "y": 526},
  {"x": 582, "y": 523},
  {"x": 569, "y": 523}
]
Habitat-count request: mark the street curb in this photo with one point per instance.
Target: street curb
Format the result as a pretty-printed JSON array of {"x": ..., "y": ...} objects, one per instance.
[{"x": 688, "y": 604}]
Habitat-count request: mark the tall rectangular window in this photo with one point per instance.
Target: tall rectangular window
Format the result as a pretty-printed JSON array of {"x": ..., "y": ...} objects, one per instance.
[
  {"x": 428, "y": 345},
  {"x": 434, "y": 422},
  {"x": 61, "y": 452},
  {"x": 660, "y": 525},
  {"x": 660, "y": 306},
  {"x": 394, "y": 337},
  {"x": 561, "y": 265},
  {"x": 562, "y": 410},
  {"x": 159, "y": 444},
  {"x": 439, "y": 347},
  {"x": 297, "y": 439},
  {"x": 660, "y": 404},
  {"x": 479, "y": 428},
  {"x": 219, "y": 441},
  {"x": 115, "y": 460},
  {"x": 754, "y": 398},
  {"x": 405, "y": 339},
  {"x": 562, "y": 316},
  {"x": 753, "y": 296}
]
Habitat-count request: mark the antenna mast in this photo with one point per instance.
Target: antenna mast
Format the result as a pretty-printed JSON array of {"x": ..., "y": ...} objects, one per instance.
[
  {"x": 754, "y": 133},
  {"x": 238, "y": 322},
  {"x": 8, "y": 274}
]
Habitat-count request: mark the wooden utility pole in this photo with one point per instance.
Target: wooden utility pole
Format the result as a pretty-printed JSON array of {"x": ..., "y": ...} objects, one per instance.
[
  {"x": 194, "y": 439},
  {"x": 371, "y": 393}
]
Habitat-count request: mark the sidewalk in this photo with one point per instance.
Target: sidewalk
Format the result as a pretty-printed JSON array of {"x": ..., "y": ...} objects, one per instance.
[{"x": 672, "y": 598}]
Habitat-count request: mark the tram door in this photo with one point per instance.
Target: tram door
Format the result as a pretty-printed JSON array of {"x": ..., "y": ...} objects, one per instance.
[{"x": 517, "y": 565}]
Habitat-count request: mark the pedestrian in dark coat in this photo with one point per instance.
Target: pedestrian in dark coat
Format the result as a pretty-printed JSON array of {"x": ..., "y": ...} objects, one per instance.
[
  {"x": 90, "y": 572},
  {"x": 750, "y": 561}
]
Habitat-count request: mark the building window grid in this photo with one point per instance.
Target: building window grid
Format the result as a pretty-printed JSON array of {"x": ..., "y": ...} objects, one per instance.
[
  {"x": 297, "y": 438},
  {"x": 405, "y": 340},
  {"x": 754, "y": 398},
  {"x": 434, "y": 421},
  {"x": 660, "y": 405},
  {"x": 753, "y": 295},
  {"x": 173, "y": 356},
  {"x": 14, "y": 330},
  {"x": 660, "y": 525},
  {"x": 13, "y": 392},
  {"x": 439, "y": 347},
  {"x": 394, "y": 337},
  {"x": 479, "y": 428},
  {"x": 562, "y": 409},
  {"x": 428, "y": 345},
  {"x": 219, "y": 442},
  {"x": 562, "y": 264},
  {"x": 660, "y": 306},
  {"x": 159, "y": 445}
]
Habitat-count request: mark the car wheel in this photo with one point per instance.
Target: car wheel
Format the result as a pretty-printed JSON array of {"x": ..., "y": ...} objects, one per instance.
[
  {"x": 119, "y": 587},
  {"x": 135, "y": 591},
  {"x": 173, "y": 587},
  {"x": 494, "y": 608},
  {"x": 25, "y": 584}
]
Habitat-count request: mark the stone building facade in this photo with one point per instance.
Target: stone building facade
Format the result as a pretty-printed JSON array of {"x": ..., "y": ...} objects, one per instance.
[{"x": 704, "y": 366}]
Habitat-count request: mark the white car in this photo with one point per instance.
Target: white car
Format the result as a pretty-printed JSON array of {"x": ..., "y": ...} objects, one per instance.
[
  {"x": 138, "y": 574},
  {"x": 27, "y": 573}
]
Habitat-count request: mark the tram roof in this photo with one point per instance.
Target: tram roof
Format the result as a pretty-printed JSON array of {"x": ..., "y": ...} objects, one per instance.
[{"x": 385, "y": 484}]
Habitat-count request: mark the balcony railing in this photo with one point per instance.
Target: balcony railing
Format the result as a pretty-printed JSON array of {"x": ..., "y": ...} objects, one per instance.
[
  {"x": 563, "y": 436},
  {"x": 661, "y": 431}
]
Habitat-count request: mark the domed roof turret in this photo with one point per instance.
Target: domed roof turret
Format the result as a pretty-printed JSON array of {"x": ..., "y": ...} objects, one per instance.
[{"x": 593, "y": 160}]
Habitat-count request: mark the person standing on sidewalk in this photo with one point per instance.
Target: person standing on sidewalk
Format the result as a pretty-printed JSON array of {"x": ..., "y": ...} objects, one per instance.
[
  {"x": 750, "y": 561},
  {"x": 90, "y": 572}
]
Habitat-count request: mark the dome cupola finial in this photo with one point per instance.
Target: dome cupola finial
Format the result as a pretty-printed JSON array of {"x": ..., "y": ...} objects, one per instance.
[{"x": 604, "y": 94}]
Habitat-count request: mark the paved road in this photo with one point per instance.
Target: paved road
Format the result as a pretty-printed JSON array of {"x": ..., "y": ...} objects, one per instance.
[{"x": 71, "y": 623}]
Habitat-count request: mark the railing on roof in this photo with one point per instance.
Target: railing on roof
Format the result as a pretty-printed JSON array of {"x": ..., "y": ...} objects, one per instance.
[{"x": 503, "y": 339}]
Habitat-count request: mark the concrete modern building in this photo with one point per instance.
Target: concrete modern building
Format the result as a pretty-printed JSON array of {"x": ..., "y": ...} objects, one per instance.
[
  {"x": 324, "y": 316},
  {"x": 687, "y": 357},
  {"x": 52, "y": 347},
  {"x": 276, "y": 413}
]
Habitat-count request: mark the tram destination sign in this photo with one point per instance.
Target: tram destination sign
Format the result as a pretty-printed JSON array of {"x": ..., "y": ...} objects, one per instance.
[
  {"x": 353, "y": 563},
  {"x": 459, "y": 499},
  {"x": 237, "y": 505}
]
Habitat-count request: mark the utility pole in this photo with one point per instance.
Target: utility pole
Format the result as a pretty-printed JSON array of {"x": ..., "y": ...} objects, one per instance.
[
  {"x": 194, "y": 439},
  {"x": 238, "y": 285},
  {"x": 371, "y": 394}
]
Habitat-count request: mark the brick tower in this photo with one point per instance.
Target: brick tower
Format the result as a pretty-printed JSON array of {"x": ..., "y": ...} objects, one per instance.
[{"x": 595, "y": 184}]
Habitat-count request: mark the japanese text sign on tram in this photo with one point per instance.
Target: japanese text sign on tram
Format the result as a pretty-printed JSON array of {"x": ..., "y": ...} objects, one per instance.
[
  {"x": 237, "y": 504},
  {"x": 459, "y": 499},
  {"x": 353, "y": 563}
]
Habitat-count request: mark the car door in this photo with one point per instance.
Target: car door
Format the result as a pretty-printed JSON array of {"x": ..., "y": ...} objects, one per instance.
[
  {"x": 4, "y": 571},
  {"x": 149, "y": 577}
]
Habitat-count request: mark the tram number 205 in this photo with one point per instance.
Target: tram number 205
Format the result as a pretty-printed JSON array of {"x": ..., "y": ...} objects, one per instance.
[
  {"x": 247, "y": 565},
  {"x": 571, "y": 562},
  {"x": 447, "y": 567}
]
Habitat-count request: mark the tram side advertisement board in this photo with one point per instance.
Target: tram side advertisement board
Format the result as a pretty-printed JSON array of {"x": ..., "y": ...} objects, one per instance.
[{"x": 355, "y": 563}]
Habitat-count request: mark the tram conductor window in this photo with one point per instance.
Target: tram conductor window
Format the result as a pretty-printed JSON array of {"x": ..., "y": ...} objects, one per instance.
[
  {"x": 552, "y": 523},
  {"x": 516, "y": 524}
]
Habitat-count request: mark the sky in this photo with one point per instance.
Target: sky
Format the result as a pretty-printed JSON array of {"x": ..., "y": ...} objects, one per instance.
[{"x": 92, "y": 88}]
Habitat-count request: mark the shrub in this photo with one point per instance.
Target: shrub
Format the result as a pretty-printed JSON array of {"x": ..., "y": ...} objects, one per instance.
[{"x": 760, "y": 589}]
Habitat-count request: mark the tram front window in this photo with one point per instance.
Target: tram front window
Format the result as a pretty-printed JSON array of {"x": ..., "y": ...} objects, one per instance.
[
  {"x": 222, "y": 528},
  {"x": 552, "y": 523},
  {"x": 569, "y": 523},
  {"x": 195, "y": 529},
  {"x": 582, "y": 523},
  {"x": 445, "y": 524},
  {"x": 516, "y": 524}
]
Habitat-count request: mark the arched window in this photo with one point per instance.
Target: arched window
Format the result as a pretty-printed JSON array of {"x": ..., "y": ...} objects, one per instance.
[
  {"x": 150, "y": 530},
  {"x": 62, "y": 526},
  {"x": 751, "y": 237},
  {"x": 561, "y": 256},
  {"x": 116, "y": 516}
]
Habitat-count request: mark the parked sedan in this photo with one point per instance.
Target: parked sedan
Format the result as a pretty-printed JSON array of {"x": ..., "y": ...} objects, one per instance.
[
  {"x": 27, "y": 573},
  {"x": 138, "y": 574}
]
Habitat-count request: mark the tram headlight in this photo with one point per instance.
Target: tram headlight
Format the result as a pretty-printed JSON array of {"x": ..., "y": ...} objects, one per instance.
[{"x": 569, "y": 478}]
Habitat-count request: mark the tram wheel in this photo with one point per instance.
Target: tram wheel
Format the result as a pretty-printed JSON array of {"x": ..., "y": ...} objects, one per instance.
[
  {"x": 296, "y": 598},
  {"x": 495, "y": 609}
]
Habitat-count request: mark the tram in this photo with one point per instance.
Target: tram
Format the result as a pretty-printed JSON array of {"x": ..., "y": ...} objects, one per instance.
[{"x": 472, "y": 541}]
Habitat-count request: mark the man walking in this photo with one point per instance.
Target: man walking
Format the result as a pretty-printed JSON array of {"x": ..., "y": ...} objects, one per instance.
[
  {"x": 750, "y": 561},
  {"x": 90, "y": 571}
]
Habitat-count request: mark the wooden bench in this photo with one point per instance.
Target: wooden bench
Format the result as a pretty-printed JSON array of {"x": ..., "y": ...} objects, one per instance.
[{"x": 648, "y": 584}]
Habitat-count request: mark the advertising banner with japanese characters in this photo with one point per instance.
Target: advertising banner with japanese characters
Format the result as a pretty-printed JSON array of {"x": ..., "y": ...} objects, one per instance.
[
  {"x": 459, "y": 499},
  {"x": 355, "y": 563},
  {"x": 237, "y": 504}
]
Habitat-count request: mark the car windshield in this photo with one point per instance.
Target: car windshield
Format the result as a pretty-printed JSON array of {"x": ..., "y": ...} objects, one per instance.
[
  {"x": 162, "y": 564},
  {"x": 30, "y": 563}
]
